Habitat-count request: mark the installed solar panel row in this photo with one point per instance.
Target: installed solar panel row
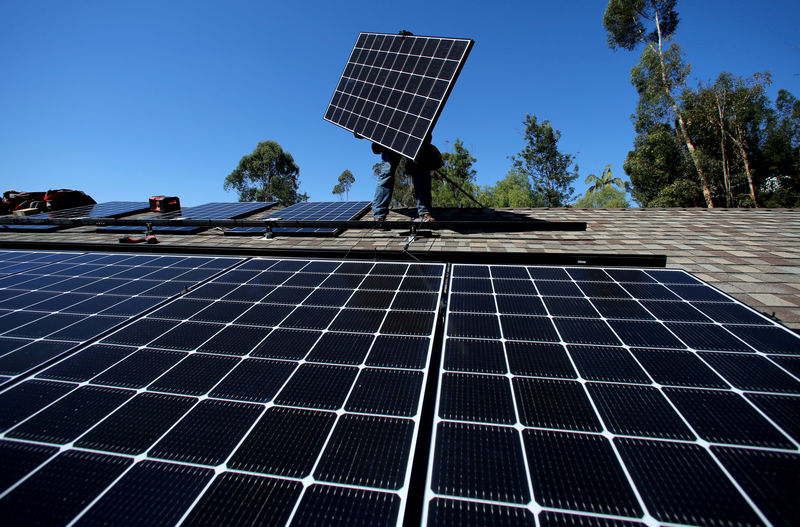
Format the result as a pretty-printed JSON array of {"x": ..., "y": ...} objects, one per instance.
[
  {"x": 260, "y": 394},
  {"x": 311, "y": 211},
  {"x": 110, "y": 209},
  {"x": 611, "y": 395},
  {"x": 208, "y": 211}
]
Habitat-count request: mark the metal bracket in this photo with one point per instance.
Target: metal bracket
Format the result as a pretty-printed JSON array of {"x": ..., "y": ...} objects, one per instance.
[
  {"x": 149, "y": 229},
  {"x": 269, "y": 234}
]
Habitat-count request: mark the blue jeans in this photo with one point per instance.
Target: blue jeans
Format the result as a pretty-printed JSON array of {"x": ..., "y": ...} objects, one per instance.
[{"x": 383, "y": 192}]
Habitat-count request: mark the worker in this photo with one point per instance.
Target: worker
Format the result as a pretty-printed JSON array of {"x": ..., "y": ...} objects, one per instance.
[{"x": 428, "y": 159}]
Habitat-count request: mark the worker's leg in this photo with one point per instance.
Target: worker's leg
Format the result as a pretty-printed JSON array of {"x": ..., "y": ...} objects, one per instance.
[
  {"x": 422, "y": 190},
  {"x": 383, "y": 192}
]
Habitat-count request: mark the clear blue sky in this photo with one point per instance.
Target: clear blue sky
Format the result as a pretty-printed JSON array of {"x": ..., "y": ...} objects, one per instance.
[{"x": 129, "y": 99}]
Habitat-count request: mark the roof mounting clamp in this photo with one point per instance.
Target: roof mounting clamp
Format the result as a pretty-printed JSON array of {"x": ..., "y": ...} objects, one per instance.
[{"x": 269, "y": 234}]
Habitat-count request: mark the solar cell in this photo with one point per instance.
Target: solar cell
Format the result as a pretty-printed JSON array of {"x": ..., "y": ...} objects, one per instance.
[
  {"x": 394, "y": 87},
  {"x": 207, "y": 211},
  {"x": 184, "y": 399},
  {"x": 310, "y": 211},
  {"x": 637, "y": 395}
]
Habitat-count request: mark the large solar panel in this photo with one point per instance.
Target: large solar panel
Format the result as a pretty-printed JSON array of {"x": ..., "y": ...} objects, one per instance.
[
  {"x": 576, "y": 396},
  {"x": 208, "y": 211},
  {"x": 109, "y": 209},
  {"x": 291, "y": 391},
  {"x": 259, "y": 397},
  {"x": 55, "y": 304},
  {"x": 394, "y": 87},
  {"x": 317, "y": 210}
]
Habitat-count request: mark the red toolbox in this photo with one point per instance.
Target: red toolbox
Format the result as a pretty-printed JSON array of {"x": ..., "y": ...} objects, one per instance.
[{"x": 164, "y": 203}]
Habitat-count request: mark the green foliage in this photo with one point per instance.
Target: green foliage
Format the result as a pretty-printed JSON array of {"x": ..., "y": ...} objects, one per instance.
[
  {"x": 513, "y": 191},
  {"x": 781, "y": 154},
  {"x": 606, "y": 197},
  {"x": 605, "y": 180},
  {"x": 680, "y": 193},
  {"x": 267, "y": 174},
  {"x": 458, "y": 168},
  {"x": 541, "y": 161},
  {"x": 656, "y": 161},
  {"x": 346, "y": 180},
  {"x": 630, "y": 22},
  {"x": 655, "y": 82}
]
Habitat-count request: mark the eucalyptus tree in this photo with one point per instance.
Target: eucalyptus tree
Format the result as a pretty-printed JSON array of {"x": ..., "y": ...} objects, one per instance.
[
  {"x": 661, "y": 73},
  {"x": 267, "y": 174}
]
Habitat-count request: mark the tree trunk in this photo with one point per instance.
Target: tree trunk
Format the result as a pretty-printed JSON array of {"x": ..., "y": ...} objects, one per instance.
[
  {"x": 740, "y": 142},
  {"x": 687, "y": 140},
  {"x": 725, "y": 172}
]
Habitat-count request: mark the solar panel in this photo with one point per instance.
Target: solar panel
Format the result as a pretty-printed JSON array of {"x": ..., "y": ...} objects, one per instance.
[
  {"x": 318, "y": 210},
  {"x": 291, "y": 390},
  {"x": 208, "y": 211},
  {"x": 110, "y": 209},
  {"x": 394, "y": 87},
  {"x": 597, "y": 396},
  {"x": 59, "y": 304},
  {"x": 258, "y": 397}
]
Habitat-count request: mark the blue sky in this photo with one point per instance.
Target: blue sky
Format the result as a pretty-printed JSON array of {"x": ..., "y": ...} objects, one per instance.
[{"x": 129, "y": 99}]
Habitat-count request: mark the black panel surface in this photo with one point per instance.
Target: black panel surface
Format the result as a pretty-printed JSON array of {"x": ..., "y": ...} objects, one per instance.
[
  {"x": 241, "y": 499},
  {"x": 284, "y": 442},
  {"x": 138, "y": 424},
  {"x": 663, "y": 423},
  {"x": 578, "y": 472},
  {"x": 463, "y": 466},
  {"x": 329, "y": 505},
  {"x": 150, "y": 493},
  {"x": 207, "y": 434},
  {"x": 631, "y": 390},
  {"x": 58, "y": 491},
  {"x": 694, "y": 490},
  {"x": 367, "y": 451}
]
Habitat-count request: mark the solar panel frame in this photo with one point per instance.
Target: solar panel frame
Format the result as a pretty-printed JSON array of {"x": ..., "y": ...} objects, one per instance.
[
  {"x": 386, "y": 98},
  {"x": 317, "y": 210},
  {"x": 667, "y": 403}
]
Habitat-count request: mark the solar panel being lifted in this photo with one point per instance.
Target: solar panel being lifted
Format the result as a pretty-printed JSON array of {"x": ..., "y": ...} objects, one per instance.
[
  {"x": 394, "y": 87},
  {"x": 317, "y": 210}
]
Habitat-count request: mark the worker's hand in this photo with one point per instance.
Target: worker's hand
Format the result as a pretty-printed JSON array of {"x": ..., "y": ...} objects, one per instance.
[{"x": 357, "y": 135}]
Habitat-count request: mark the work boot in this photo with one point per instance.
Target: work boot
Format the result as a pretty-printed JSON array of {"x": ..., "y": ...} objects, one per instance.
[
  {"x": 426, "y": 217},
  {"x": 378, "y": 220}
]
